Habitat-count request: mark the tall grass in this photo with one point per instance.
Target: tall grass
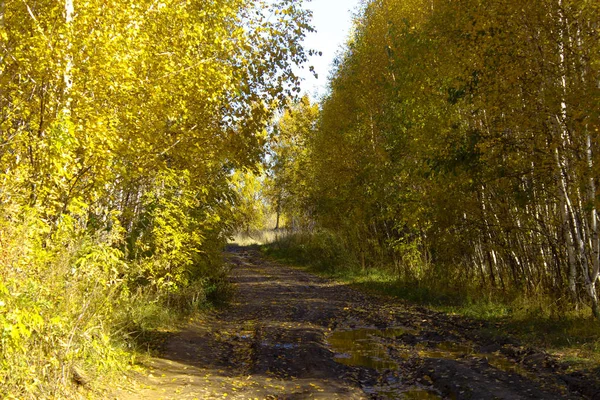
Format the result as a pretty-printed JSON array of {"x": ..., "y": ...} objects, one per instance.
[{"x": 258, "y": 237}]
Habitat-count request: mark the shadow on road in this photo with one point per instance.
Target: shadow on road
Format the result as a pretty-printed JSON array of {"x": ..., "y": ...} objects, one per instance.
[{"x": 280, "y": 339}]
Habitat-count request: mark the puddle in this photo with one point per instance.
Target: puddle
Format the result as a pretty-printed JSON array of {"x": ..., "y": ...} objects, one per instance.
[
  {"x": 360, "y": 347},
  {"x": 504, "y": 364},
  {"x": 400, "y": 393},
  {"x": 446, "y": 350},
  {"x": 419, "y": 394},
  {"x": 364, "y": 347},
  {"x": 285, "y": 346},
  {"x": 455, "y": 351}
]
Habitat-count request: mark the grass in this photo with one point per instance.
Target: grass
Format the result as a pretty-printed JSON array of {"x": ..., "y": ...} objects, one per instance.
[
  {"x": 571, "y": 336},
  {"x": 262, "y": 237}
]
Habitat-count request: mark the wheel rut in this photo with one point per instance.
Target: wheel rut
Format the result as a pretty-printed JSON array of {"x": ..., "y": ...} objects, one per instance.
[{"x": 291, "y": 335}]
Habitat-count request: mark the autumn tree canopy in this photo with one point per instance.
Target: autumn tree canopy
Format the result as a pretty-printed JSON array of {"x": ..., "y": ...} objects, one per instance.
[
  {"x": 459, "y": 143},
  {"x": 121, "y": 124}
]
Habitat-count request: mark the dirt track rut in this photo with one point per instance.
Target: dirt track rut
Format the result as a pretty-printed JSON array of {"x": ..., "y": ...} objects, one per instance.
[{"x": 291, "y": 335}]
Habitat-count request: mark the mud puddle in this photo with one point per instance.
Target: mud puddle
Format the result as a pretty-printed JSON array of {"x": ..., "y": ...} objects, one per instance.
[
  {"x": 365, "y": 347},
  {"x": 456, "y": 351},
  {"x": 402, "y": 393},
  {"x": 370, "y": 348},
  {"x": 362, "y": 347}
]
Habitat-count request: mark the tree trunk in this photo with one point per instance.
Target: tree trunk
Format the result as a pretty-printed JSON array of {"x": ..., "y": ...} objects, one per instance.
[
  {"x": 278, "y": 212},
  {"x": 68, "y": 73}
]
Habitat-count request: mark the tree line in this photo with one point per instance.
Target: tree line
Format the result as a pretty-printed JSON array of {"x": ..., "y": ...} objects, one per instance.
[
  {"x": 458, "y": 144},
  {"x": 121, "y": 125}
]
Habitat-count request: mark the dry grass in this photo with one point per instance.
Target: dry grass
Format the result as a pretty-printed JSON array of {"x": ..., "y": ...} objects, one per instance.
[{"x": 262, "y": 237}]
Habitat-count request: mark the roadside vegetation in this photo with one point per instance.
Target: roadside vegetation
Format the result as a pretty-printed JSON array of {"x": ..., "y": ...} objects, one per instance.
[{"x": 122, "y": 126}]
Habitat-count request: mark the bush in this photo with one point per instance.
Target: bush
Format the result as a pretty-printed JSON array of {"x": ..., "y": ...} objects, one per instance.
[
  {"x": 59, "y": 290},
  {"x": 72, "y": 306},
  {"x": 322, "y": 250}
]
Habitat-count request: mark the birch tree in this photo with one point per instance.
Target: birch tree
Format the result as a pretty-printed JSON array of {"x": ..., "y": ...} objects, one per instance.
[{"x": 464, "y": 136}]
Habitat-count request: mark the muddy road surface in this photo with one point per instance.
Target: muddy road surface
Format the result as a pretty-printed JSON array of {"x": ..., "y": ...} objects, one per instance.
[{"x": 291, "y": 335}]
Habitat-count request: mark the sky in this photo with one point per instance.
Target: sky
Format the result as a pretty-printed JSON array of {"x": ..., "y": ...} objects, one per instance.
[{"x": 332, "y": 19}]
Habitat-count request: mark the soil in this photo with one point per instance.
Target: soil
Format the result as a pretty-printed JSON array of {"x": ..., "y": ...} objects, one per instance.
[{"x": 291, "y": 335}]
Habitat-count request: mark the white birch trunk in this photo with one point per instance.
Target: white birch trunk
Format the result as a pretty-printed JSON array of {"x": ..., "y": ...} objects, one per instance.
[
  {"x": 2, "y": 11},
  {"x": 581, "y": 236},
  {"x": 68, "y": 73},
  {"x": 594, "y": 237}
]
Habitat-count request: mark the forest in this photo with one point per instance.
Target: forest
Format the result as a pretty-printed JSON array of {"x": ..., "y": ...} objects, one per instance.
[
  {"x": 456, "y": 150},
  {"x": 457, "y": 147},
  {"x": 120, "y": 124}
]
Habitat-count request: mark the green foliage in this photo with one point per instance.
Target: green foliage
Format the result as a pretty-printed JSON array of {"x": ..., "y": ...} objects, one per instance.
[
  {"x": 121, "y": 126},
  {"x": 322, "y": 251},
  {"x": 458, "y": 146},
  {"x": 60, "y": 293},
  {"x": 176, "y": 226}
]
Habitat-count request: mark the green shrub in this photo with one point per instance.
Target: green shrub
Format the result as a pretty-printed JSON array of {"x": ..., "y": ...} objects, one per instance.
[
  {"x": 322, "y": 250},
  {"x": 73, "y": 307}
]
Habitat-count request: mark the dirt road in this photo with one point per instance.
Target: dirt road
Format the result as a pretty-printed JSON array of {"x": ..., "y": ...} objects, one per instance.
[{"x": 291, "y": 335}]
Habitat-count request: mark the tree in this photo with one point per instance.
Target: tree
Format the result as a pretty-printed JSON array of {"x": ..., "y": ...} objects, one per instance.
[
  {"x": 458, "y": 144},
  {"x": 121, "y": 125},
  {"x": 289, "y": 185}
]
